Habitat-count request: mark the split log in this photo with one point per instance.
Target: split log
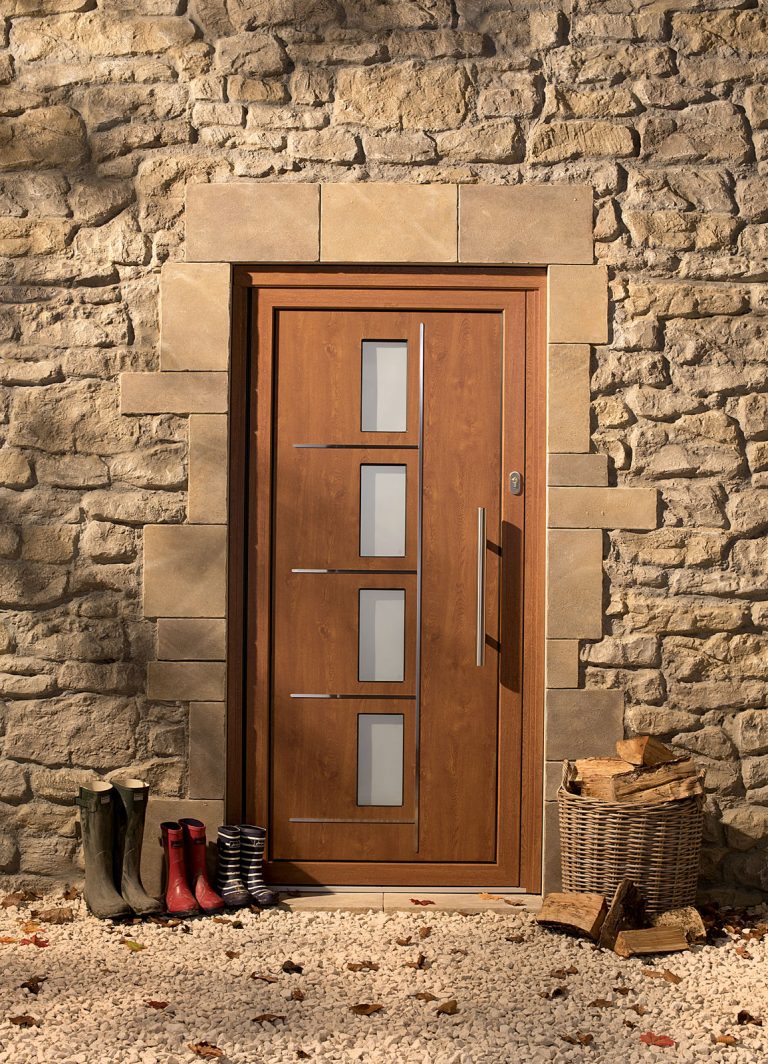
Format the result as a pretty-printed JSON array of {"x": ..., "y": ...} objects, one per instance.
[
  {"x": 627, "y": 912},
  {"x": 688, "y": 918},
  {"x": 650, "y": 940},
  {"x": 644, "y": 750},
  {"x": 574, "y": 912},
  {"x": 658, "y": 783},
  {"x": 594, "y": 775}
]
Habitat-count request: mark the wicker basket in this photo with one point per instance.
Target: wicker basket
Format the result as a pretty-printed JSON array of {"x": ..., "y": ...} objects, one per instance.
[{"x": 656, "y": 845}]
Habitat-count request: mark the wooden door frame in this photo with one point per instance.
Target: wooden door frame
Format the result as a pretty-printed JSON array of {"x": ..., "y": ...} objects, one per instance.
[{"x": 250, "y": 366}]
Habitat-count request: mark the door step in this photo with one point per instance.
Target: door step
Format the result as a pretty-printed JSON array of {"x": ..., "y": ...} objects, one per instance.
[{"x": 387, "y": 901}]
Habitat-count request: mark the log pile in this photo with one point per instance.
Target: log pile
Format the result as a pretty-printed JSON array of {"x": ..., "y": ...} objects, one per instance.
[{"x": 644, "y": 770}]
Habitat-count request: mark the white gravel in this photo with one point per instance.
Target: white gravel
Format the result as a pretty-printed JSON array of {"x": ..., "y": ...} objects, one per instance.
[{"x": 92, "y": 1007}]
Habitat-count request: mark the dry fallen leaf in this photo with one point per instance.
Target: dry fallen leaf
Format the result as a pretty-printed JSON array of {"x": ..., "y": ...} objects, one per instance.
[
  {"x": 30, "y": 926},
  {"x": 424, "y": 995},
  {"x": 159, "y": 1005},
  {"x": 363, "y": 966},
  {"x": 18, "y": 897},
  {"x": 515, "y": 938},
  {"x": 425, "y": 932},
  {"x": 555, "y": 992},
  {"x": 404, "y": 941},
  {"x": 33, "y": 984},
  {"x": 6, "y": 940},
  {"x": 639, "y": 1009},
  {"x": 421, "y": 901},
  {"x": 36, "y": 940},
  {"x": 302, "y": 1055},
  {"x": 628, "y": 1023},
  {"x": 747, "y": 1017},
  {"x": 221, "y": 920},
  {"x": 601, "y": 1003},
  {"x": 623, "y": 990},
  {"x": 663, "y": 1040},
  {"x": 133, "y": 946},
  {"x": 55, "y": 916},
  {"x": 460, "y": 952},
  {"x": 448, "y": 1008},
  {"x": 489, "y": 897},
  {"x": 664, "y": 973},
  {"x": 205, "y": 1050},
  {"x": 231, "y": 953},
  {"x": 420, "y": 963},
  {"x": 583, "y": 1038},
  {"x": 23, "y": 1021},
  {"x": 365, "y": 1009},
  {"x": 560, "y": 973},
  {"x": 297, "y": 995},
  {"x": 267, "y": 1017},
  {"x": 517, "y": 904},
  {"x": 724, "y": 1040},
  {"x": 292, "y": 969},
  {"x": 71, "y": 894},
  {"x": 264, "y": 978},
  {"x": 744, "y": 952}
]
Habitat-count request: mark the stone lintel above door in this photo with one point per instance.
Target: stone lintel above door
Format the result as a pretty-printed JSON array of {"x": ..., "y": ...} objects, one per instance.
[{"x": 290, "y": 222}]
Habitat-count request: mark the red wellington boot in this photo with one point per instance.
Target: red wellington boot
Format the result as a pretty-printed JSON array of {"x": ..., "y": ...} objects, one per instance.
[
  {"x": 194, "y": 850},
  {"x": 179, "y": 899}
]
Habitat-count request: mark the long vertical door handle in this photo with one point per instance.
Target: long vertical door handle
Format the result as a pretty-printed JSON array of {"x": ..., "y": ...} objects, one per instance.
[{"x": 480, "y": 627}]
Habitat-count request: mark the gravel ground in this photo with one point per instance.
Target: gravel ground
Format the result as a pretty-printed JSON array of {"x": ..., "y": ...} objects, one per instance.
[{"x": 499, "y": 969}]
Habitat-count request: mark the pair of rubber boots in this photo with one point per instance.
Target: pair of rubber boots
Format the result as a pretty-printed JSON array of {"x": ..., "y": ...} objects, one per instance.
[
  {"x": 188, "y": 891},
  {"x": 112, "y": 818}
]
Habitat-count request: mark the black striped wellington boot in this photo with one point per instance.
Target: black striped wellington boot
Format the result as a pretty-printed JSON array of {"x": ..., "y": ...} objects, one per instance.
[
  {"x": 252, "y": 842},
  {"x": 228, "y": 882}
]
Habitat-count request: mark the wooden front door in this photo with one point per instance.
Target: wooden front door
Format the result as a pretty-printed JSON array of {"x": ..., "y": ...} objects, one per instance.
[{"x": 396, "y": 566}]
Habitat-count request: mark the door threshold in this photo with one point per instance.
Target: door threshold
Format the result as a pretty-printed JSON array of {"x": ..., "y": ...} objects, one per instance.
[{"x": 329, "y": 899}]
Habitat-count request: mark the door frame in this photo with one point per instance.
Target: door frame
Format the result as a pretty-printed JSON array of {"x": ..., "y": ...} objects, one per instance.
[{"x": 248, "y": 692}]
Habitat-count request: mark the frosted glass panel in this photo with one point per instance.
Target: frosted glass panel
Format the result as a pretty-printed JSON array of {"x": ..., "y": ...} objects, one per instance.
[
  {"x": 380, "y": 759},
  {"x": 381, "y": 649},
  {"x": 385, "y": 385},
  {"x": 382, "y": 511}
]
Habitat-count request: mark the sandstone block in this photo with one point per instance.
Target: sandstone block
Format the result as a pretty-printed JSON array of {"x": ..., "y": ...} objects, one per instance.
[
  {"x": 562, "y": 663},
  {"x": 199, "y": 340},
  {"x": 506, "y": 93},
  {"x": 671, "y": 547},
  {"x": 9, "y": 541},
  {"x": 17, "y": 685},
  {"x": 183, "y": 681},
  {"x": 578, "y": 305},
  {"x": 753, "y": 416},
  {"x": 29, "y": 584},
  {"x": 135, "y": 507},
  {"x": 582, "y": 723},
  {"x": 562, "y": 141},
  {"x": 310, "y": 86},
  {"x": 331, "y": 145},
  {"x": 684, "y": 613},
  {"x": 402, "y": 223},
  {"x": 707, "y": 31},
  {"x": 257, "y": 90},
  {"x": 399, "y": 147},
  {"x": 208, "y": 445},
  {"x": 675, "y": 299},
  {"x": 185, "y": 571},
  {"x": 253, "y": 221},
  {"x": 709, "y": 131},
  {"x": 43, "y": 137},
  {"x": 13, "y": 781},
  {"x": 15, "y": 470},
  {"x": 757, "y": 456},
  {"x": 572, "y": 470},
  {"x": 191, "y": 639},
  {"x": 173, "y": 393},
  {"x": 746, "y": 826},
  {"x": 207, "y": 750},
  {"x": 59, "y": 38},
  {"x": 525, "y": 223},
  {"x": 575, "y": 588},
  {"x": 251, "y": 54},
  {"x": 624, "y": 650},
  {"x": 402, "y": 96},
  {"x": 681, "y": 230},
  {"x": 75, "y": 416},
  {"x": 484, "y": 142},
  {"x": 105, "y": 542},
  {"x": 615, "y": 102},
  {"x": 748, "y": 510},
  {"x": 602, "y": 507},
  {"x": 89, "y": 731},
  {"x": 568, "y": 428},
  {"x": 696, "y": 445},
  {"x": 156, "y": 467},
  {"x": 209, "y": 113},
  {"x": 752, "y": 197},
  {"x": 48, "y": 543},
  {"x": 751, "y": 732}
]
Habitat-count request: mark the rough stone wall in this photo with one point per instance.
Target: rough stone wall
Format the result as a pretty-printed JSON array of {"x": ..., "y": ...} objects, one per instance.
[{"x": 108, "y": 108}]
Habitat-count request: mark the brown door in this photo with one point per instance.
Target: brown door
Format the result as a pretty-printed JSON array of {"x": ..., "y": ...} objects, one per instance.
[{"x": 394, "y": 752}]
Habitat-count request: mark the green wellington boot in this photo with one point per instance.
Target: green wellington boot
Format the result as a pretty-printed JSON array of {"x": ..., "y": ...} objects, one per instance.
[
  {"x": 130, "y": 812},
  {"x": 96, "y": 801}
]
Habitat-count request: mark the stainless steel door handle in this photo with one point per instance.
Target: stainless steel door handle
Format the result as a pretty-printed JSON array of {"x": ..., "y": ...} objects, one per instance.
[{"x": 480, "y": 627}]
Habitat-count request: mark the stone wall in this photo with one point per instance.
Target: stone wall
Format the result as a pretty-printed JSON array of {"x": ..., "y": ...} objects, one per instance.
[{"x": 108, "y": 110}]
